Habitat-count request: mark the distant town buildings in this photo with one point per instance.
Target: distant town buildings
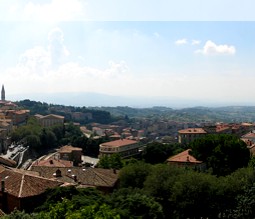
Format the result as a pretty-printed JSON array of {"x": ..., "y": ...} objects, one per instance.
[
  {"x": 50, "y": 120},
  {"x": 185, "y": 136}
]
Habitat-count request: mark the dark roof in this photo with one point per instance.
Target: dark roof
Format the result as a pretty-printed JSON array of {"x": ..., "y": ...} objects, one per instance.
[
  {"x": 7, "y": 162},
  {"x": 53, "y": 163},
  {"x": 96, "y": 177}
]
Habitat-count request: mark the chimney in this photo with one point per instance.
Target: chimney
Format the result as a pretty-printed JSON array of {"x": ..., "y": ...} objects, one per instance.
[
  {"x": 58, "y": 173},
  {"x": 74, "y": 178}
]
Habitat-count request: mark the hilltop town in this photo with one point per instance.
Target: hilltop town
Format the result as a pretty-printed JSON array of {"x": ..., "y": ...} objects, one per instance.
[{"x": 46, "y": 146}]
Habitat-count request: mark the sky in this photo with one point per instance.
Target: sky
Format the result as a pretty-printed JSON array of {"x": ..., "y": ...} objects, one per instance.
[{"x": 190, "y": 50}]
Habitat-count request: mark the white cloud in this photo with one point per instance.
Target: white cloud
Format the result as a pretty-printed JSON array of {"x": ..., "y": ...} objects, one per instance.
[
  {"x": 44, "y": 70},
  {"x": 210, "y": 48},
  {"x": 57, "y": 49},
  {"x": 195, "y": 42},
  {"x": 37, "y": 60},
  {"x": 181, "y": 42}
]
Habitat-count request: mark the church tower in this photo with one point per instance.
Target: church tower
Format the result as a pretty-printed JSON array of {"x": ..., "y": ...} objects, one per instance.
[{"x": 3, "y": 93}]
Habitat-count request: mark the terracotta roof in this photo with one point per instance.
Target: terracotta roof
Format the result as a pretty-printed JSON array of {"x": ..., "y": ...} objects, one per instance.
[
  {"x": 90, "y": 177},
  {"x": 119, "y": 143},
  {"x": 49, "y": 116},
  {"x": 249, "y": 135},
  {"x": 21, "y": 111},
  {"x": 25, "y": 185},
  {"x": 183, "y": 157},
  {"x": 193, "y": 131},
  {"x": 68, "y": 149},
  {"x": 246, "y": 124},
  {"x": 54, "y": 163},
  {"x": 7, "y": 162}
]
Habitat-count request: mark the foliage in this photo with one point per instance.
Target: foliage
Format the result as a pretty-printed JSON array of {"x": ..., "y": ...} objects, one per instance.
[
  {"x": 245, "y": 205},
  {"x": 16, "y": 214},
  {"x": 158, "y": 153},
  {"x": 223, "y": 154},
  {"x": 133, "y": 203},
  {"x": 111, "y": 162},
  {"x": 134, "y": 174},
  {"x": 36, "y": 107},
  {"x": 79, "y": 197},
  {"x": 194, "y": 195},
  {"x": 159, "y": 184}
]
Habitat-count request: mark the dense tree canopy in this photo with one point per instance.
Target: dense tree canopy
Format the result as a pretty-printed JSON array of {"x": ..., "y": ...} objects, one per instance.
[
  {"x": 156, "y": 152},
  {"x": 223, "y": 154}
]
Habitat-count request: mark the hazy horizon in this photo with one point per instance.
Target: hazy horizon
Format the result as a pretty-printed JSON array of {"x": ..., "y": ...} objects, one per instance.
[
  {"x": 140, "y": 54},
  {"x": 89, "y": 99}
]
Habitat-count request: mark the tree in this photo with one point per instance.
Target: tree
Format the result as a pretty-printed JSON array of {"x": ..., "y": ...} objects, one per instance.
[
  {"x": 133, "y": 203},
  {"x": 134, "y": 174},
  {"x": 159, "y": 184},
  {"x": 157, "y": 152},
  {"x": 114, "y": 161},
  {"x": 223, "y": 154},
  {"x": 48, "y": 138},
  {"x": 194, "y": 195}
]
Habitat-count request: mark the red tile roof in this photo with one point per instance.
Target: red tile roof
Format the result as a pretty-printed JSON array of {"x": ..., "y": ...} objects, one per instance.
[
  {"x": 249, "y": 135},
  {"x": 69, "y": 149},
  {"x": 183, "y": 157},
  {"x": 192, "y": 131},
  {"x": 24, "y": 185},
  {"x": 119, "y": 143}
]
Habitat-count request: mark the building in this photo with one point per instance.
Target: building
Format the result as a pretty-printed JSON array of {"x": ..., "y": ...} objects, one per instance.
[
  {"x": 185, "y": 136},
  {"x": 124, "y": 147},
  {"x": 70, "y": 153},
  {"x": 22, "y": 190},
  {"x": 53, "y": 163},
  {"x": 184, "y": 159},
  {"x": 249, "y": 136},
  {"x": 3, "y": 93},
  {"x": 103, "y": 179},
  {"x": 18, "y": 117},
  {"x": 50, "y": 120}
]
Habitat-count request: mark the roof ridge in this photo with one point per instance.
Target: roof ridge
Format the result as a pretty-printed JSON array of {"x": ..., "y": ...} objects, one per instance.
[
  {"x": 100, "y": 176},
  {"x": 21, "y": 185}
]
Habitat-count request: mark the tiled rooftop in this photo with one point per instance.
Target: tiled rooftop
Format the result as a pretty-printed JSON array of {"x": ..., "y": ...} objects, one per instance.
[
  {"x": 119, "y": 143},
  {"x": 54, "y": 163},
  {"x": 184, "y": 157},
  {"x": 24, "y": 185},
  {"x": 89, "y": 177},
  {"x": 192, "y": 131},
  {"x": 68, "y": 149}
]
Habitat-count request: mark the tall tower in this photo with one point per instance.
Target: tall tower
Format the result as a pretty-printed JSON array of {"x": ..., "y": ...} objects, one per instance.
[{"x": 3, "y": 93}]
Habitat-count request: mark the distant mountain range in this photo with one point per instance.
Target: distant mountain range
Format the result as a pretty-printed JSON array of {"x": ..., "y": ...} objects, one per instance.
[{"x": 96, "y": 99}]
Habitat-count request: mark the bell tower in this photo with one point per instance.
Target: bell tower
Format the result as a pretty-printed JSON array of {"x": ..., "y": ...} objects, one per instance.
[{"x": 3, "y": 93}]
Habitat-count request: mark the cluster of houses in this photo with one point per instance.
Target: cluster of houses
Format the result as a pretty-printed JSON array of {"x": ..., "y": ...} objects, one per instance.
[{"x": 22, "y": 189}]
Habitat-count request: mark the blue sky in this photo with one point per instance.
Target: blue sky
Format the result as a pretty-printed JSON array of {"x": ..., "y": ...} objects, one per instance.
[{"x": 181, "y": 49}]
